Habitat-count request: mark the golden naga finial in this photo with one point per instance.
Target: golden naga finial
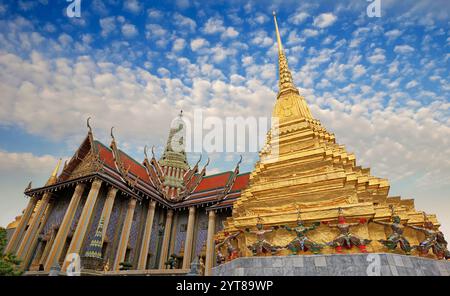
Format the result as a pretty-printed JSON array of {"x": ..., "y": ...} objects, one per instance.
[
  {"x": 112, "y": 135},
  {"x": 29, "y": 186},
  {"x": 53, "y": 177},
  {"x": 88, "y": 125},
  {"x": 145, "y": 152},
  {"x": 240, "y": 160},
  {"x": 153, "y": 151},
  {"x": 198, "y": 161}
]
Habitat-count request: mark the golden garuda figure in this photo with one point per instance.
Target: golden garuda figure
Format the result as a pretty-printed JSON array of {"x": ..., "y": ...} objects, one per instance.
[
  {"x": 345, "y": 237},
  {"x": 262, "y": 246}
]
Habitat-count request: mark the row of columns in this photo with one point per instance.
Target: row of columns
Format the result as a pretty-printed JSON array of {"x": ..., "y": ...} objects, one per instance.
[{"x": 24, "y": 240}]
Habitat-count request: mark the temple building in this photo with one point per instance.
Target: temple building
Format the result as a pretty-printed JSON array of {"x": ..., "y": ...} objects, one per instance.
[
  {"x": 146, "y": 210},
  {"x": 106, "y": 206}
]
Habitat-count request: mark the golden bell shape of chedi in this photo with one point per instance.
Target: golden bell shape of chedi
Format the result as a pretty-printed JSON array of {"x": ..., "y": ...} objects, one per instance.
[{"x": 304, "y": 175}]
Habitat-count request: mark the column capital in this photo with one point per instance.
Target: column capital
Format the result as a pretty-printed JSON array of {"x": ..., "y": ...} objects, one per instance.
[
  {"x": 96, "y": 183},
  {"x": 192, "y": 210},
  {"x": 212, "y": 213},
  {"x": 132, "y": 203},
  {"x": 169, "y": 213},
  {"x": 112, "y": 190}
]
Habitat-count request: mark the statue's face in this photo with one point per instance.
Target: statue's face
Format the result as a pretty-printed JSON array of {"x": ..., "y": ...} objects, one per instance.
[
  {"x": 259, "y": 226},
  {"x": 396, "y": 219},
  {"x": 429, "y": 225}
]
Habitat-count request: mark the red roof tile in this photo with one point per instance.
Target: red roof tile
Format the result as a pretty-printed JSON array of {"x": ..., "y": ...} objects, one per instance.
[
  {"x": 241, "y": 182},
  {"x": 213, "y": 181},
  {"x": 135, "y": 168}
]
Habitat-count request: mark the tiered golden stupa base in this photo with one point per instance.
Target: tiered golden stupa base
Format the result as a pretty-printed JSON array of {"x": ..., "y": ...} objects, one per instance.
[{"x": 303, "y": 174}]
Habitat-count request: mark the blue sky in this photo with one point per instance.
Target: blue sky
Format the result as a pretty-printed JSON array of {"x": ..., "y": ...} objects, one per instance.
[{"x": 380, "y": 84}]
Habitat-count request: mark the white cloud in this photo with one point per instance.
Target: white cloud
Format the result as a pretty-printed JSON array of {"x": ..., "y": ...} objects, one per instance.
[
  {"x": 154, "y": 13},
  {"x": 377, "y": 57},
  {"x": 260, "y": 18},
  {"x": 132, "y": 6},
  {"x": 230, "y": 32},
  {"x": 310, "y": 33},
  {"x": 178, "y": 44},
  {"x": 261, "y": 39},
  {"x": 299, "y": 17},
  {"x": 403, "y": 49},
  {"x": 155, "y": 31},
  {"x": 129, "y": 30},
  {"x": 358, "y": 71},
  {"x": 16, "y": 170},
  {"x": 198, "y": 43},
  {"x": 184, "y": 22},
  {"x": 108, "y": 25},
  {"x": 213, "y": 25},
  {"x": 393, "y": 34},
  {"x": 411, "y": 84},
  {"x": 324, "y": 20}
]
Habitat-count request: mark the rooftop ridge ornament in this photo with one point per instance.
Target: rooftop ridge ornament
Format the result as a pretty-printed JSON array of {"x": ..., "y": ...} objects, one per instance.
[
  {"x": 145, "y": 151},
  {"x": 53, "y": 177},
  {"x": 112, "y": 135},
  {"x": 88, "y": 125}
]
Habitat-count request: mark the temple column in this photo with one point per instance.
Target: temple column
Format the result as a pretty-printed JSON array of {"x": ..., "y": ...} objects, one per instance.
[
  {"x": 32, "y": 233},
  {"x": 210, "y": 242},
  {"x": 166, "y": 240},
  {"x": 147, "y": 235},
  {"x": 12, "y": 245},
  {"x": 125, "y": 235},
  {"x": 26, "y": 260},
  {"x": 83, "y": 221},
  {"x": 189, "y": 239},
  {"x": 61, "y": 237},
  {"x": 107, "y": 210}
]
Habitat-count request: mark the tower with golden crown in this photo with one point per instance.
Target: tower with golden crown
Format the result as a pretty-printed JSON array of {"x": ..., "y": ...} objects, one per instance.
[{"x": 303, "y": 173}]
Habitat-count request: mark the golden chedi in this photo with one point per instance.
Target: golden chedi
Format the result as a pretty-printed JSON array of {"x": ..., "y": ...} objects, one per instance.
[{"x": 303, "y": 174}]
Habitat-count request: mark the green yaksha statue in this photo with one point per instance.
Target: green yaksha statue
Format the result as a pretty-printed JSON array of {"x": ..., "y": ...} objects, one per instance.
[
  {"x": 302, "y": 242},
  {"x": 442, "y": 245},
  {"x": 396, "y": 237},
  {"x": 431, "y": 240},
  {"x": 173, "y": 261},
  {"x": 261, "y": 246},
  {"x": 345, "y": 237}
]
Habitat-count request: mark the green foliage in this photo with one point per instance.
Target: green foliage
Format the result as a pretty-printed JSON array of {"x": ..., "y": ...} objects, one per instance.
[{"x": 9, "y": 264}]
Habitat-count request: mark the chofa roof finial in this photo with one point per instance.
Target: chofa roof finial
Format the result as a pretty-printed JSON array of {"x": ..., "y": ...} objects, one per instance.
[{"x": 88, "y": 124}]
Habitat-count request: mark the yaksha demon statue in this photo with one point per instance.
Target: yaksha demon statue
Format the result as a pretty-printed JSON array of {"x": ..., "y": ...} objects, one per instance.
[
  {"x": 345, "y": 237},
  {"x": 442, "y": 243},
  {"x": 302, "y": 242},
  {"x": 396, "y": 237},
  {"x": 434, "y": 240},
  {"x": 261, "y": 246},
  {"x": 231, "y": 250}
]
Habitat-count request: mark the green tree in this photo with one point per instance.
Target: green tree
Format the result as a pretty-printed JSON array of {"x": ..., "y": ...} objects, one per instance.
[{"x": 9, "y": 264}]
